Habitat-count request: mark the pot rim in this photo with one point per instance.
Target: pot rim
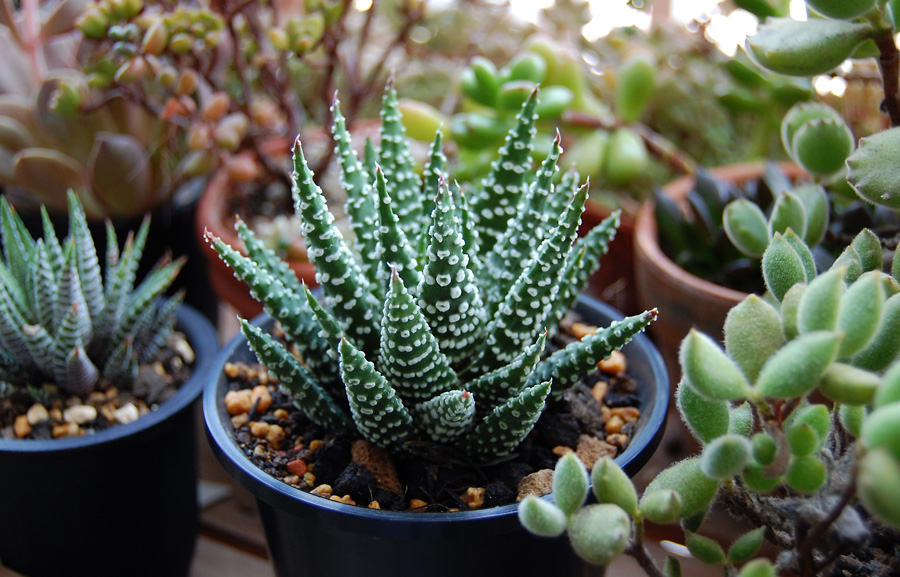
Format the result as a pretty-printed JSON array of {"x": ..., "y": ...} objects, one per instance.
[
  {"x": 419, "y": 525},
  {"x": 202, "y": 337}
]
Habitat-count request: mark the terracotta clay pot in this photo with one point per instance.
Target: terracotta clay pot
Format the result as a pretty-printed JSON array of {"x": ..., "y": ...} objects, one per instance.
[{"x": 684, "y": 300}]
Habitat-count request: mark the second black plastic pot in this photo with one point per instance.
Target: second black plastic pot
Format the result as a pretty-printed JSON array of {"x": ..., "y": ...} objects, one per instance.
[
  {"x": 311, "y": 536},
  {"x": 120, "y": 502}
]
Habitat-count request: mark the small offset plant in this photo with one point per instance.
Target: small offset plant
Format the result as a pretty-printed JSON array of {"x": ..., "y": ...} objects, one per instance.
[
  {"x": 433, "y": 331},
  {"x": 799, "y": 419},
  {"x": 65, "y": 322}
]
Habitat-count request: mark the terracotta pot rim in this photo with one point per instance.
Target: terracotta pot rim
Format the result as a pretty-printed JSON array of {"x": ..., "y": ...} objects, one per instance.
[{"x": 646, "y": 231}]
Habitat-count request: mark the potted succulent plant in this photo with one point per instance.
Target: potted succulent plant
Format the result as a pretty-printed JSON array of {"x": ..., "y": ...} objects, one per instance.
[
  {"x": 97, "y": 382},
  {"x": 441, "y": 358},
  {"x": 797, "y": 419}
]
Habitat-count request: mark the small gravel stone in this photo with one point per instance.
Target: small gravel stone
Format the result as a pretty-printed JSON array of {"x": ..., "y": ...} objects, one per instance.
[
  {"x": 181, "y": 347},
  {"x": 22, "y": 427},
  {"x": 37, "y": 413},
  {"x": 127, "y": 414},
  {"x": 417, "y": 504},
  {"x": 614, "y": 364},
  {"x": 259, "y": 429},
  {"x": 80, "y": 414},
  {"x": 537, "y": 484},
  {"x": 261, "y": 397},
  {"x": 297, "y": 467},
  {"x": 66, "y": 430},
  {"x": 474, "y": 497},
  {"x": 237, "y": 402},
  {"x": 591, "y": 449}
]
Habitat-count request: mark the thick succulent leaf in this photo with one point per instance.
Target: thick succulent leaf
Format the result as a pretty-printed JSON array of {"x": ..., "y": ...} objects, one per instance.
[
  {"x": 17, "y": 243},
  {"x": 517, "y": 244},
  {"x": 154, "y": 336},
  {"x": 501, "y": 191},
  {"x": 120, "y": 276},
  {"x": 121, "y": 365},
  {"x": 448, "y": 295},
  {"x": 71, "y": 296},
  {"x": 707, "y": 419},
  {"x": 403, "y": 184},
  {"x": 409, "y": 355},
  {"x": 54, "y": 248},
  {"x": 850, "y": 260},
  {"x": 873, "y": 173},
  {"x": 796, "y": 369},
  {"x": 306, "y": 394},
  {"x": 802, "y": 250},
  {"x": 746, "y": 227},
  {"x": 788, "y": 212},
  {"x": 41, "y": 348},
  {"x": 122, "y": 174},
  {"x": 81, "y": 374},
  {"x": 566, "y": 366},
  {"x": 807, "y": 48},
  {"x": 752, "y": 334},
  {"x": 435, "y": 174},
  {"x": 44, "y": 287},
  {"x": 67, "y": 339},
  {"x": 818, "y": 308},
  {"x": 49, "y": 173},
  {"x": 471, "y": 240},
  {"x": 154, "y": 285},
  {"x": 447, "y": 416},
  {"x": 709, "y": 370},
  {"x": 15, "y": 136},
  {"x": 815, "y": 202},
  {"x": 266, "y": 258},
  {"x": 868, "y": 247},
  {"x": 582, "y": 261},
  {"x": 291, "y": 310},
  {"x": 860, "y": 313},
  {"x": 394, "y": 253},
  {"x": 360, "y": 205},
  {"x": 85, "y": 257},
  {"x": 499, "y": 385},
  {"x": 687, "y": 479},
  {"x": 346, "y": 288},
  {"x": 782, "y": 267},
  {"x": 884, "y": 347},
  {"x": 377, "y": 410},
  {"x": 504, "y": 428},
  {"x": 523, "y": 314}
]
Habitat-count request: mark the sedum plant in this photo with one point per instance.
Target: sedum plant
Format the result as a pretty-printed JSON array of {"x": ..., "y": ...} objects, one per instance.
[
  {"x": 798, "y": 420},
  {"x": 65, "y": 321},
  {"x": 437, "y": 312}
]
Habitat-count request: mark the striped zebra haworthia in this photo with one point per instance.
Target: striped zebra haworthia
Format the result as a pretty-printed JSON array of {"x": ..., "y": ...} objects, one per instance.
[
  {"x": 62, "y": 320},
  {"x": 434, "y": 327}
]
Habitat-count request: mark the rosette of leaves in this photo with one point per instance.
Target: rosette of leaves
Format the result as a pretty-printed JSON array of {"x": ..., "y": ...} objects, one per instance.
[
  {"x": 63, "y": 320},
  {"x": 432, "y": 329},
  {"x": 798, "y": 419}
]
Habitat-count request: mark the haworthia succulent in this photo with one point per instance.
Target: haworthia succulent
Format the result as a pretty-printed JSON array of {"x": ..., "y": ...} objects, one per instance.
[{"x": 404, "y": 185}]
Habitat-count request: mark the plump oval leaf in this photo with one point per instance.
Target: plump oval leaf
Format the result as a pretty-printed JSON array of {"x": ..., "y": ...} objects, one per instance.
[
  {"x": 725, "y": 457},
  {"x": 882, "y": 429},
  {"x": 818, "y": 309},
  {"x": 705, "y": 549},
  {"x": 806, "y": 474},
  {"x": 796, "y": 369},
  {"x": 687, "y": 479},
  {"x": 611, "y": 485},
  {"x": 860, "y": 313},
  {"x": 541, "y": 517},
  {"x": 782, "y": 267},
  {"x": 709, "y": 370},
  {"x": 599, "y": 533},
  {"x": 873, "y": 169},
  {"x": 807, "y": 48},
  {"x": 849, "y": 385},
  {"x": 570, "y": 483},
  {"x": 707, "y": 419},
  {"x": 752, "y": 334},
  {"x": 877, "y": 482},
  {"x": 746, "y": 546},
  {"x": 746, "y": 227}
]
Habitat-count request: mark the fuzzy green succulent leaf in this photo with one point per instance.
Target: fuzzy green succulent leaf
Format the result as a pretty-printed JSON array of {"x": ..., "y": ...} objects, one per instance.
[
  {"x": 662, "y": 507},
  {"x": 86, "y": 257},
  {"x": 741, "y": 419},
  {"x": 570, "y": 483},
  {"x": 746, "y": 227},
  {"x": 503, "y": 188},
  {"x": 889, "y": 391},
  {"x": 752, "y": 334},
  {"x": 806, "y": 474},
  {"x": 266, "y": 258},
  {"x": 599, "y": 533},
  {"x": 688, "y": 480},
  {"x": 542, "y": 518},
  {"x": 808, "y": 48},
  {"x": 756, "y": 478},
  {"x": 709, "y": 370},
  {"x": 725, "y": 457},
  {"x": 821, "y": 147},
  {"x": 877, "y": 482},
  {"x": 797, "y": 368},
  {"x": 802, "y": 250},
  {"x": 296, "y": 379},
  {"x": 410, "y": 357},
  {"x": 758, "y": 568},
  {"x": 850, "y": 260},
  {"x": 377, "y": 410},
  {"x": 788, "y": 212},
  {"x": 849, "y": 385},
  {"x": 790, "y": 305},
  {"x": 764, "y": 448},
  {"x": 872, "y": 171},
  {"x": 868, "y": 247},
  {"x": 705, "y": 549},
  {"x": 566, "y": 365},
  {"x": 851, "y": 418},
  {"x": 817, "y": 206},
  {"x": 782, "y": 267},
  {"x": 860, "y": 313},
  {"x": 706, "y": 419},
  {"x": 504, "y": 428},
  {"x": 447, "y": 416},
  {"x": 882, "y": 429},
  {"x": 611, "y": 484},
  {"x": 819, "y": 307},
  {"x": 346, "y": 289}
]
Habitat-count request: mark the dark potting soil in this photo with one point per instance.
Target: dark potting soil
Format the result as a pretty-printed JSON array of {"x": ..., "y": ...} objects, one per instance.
[{"x": 597, "y": 416}]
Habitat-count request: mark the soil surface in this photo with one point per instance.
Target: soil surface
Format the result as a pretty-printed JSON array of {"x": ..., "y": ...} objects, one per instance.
[
  {"x": 595, "y": 418},
  {"x": 42, "y": 411}
]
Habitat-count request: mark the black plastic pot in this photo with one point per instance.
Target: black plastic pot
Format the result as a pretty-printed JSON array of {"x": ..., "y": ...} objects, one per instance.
[
  {"x": 120, "y": 502},
  {"x": 312, "y": 536}
]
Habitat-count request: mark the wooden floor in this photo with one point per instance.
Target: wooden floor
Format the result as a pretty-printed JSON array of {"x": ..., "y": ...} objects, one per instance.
[{"x": 232, "y": 544}]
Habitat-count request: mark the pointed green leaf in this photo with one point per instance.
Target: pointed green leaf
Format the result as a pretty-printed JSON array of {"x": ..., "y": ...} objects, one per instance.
[
  {"x": 610, "y": 484},
  {"x": 752, "y": 334},
  {"x": 796, "y": 369},
  {"x": 709, "y": 370},
  {"x": 707, "y": 419}
]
